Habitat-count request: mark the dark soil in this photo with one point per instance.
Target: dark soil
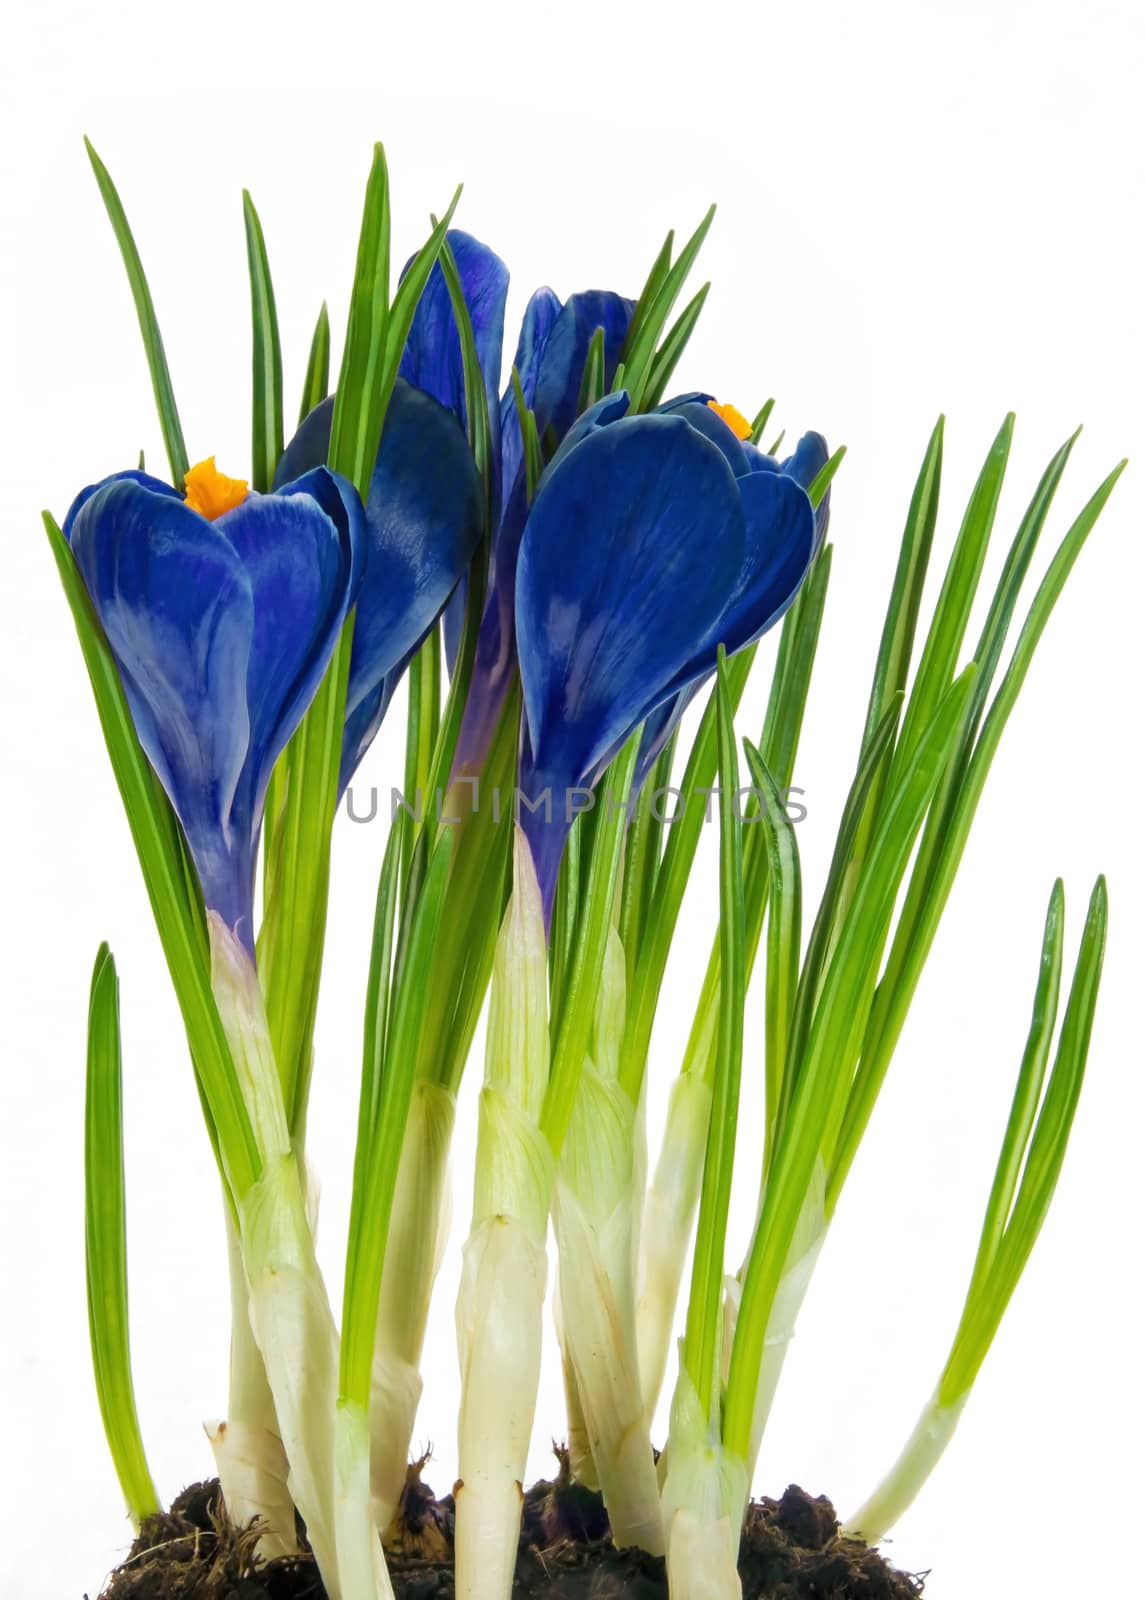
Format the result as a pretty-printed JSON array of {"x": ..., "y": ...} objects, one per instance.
[{"x": 791, "y": 1550}]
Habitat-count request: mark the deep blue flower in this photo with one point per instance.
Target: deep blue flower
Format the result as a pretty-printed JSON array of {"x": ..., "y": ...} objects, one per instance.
[
  {"x": 432, "y": 359},
  {"x": 652, "y": 540},
  {"x": 423, "y": 521},
  {"x": 222, "y": 626},
  {"x": 551, "y": 352},
  {"x": 550, "y": 360}
]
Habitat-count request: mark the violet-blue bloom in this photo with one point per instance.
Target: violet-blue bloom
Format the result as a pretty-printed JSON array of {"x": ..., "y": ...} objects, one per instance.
[
  {"x": 650, "y": 543},
  {"x": 222, "y": 626},
  {"x": 551, "y": 356},
  {"x": 423, "y": 522},
  {"x": 551, "y": 352}
]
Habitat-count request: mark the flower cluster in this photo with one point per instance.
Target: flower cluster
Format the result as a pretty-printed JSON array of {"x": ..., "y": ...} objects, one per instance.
[{"x": 651, "y": 541}]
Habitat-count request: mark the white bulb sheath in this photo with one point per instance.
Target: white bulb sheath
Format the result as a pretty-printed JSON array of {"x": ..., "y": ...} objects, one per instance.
[
  {"x": 419, "y": 1225},
  {"x": 249, "y": 1457},
  {"x": 932, "y": 1433},
  {"x": 499, "y": 1324},
  {"x": 362, "y": 1569},
  {"x": 704, "y": 1500},
  {"x": 669, "y": 1213},
  {"x": 598, "y": 1328}
]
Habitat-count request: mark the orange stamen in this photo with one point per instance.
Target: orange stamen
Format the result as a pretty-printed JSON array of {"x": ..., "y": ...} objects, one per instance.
[
  {"x": 735, "y": 420},
  {"x": 210, "y": 492}
]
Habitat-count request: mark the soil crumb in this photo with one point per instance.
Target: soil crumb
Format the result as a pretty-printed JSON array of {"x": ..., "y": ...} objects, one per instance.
[{"x": 791, "y": 1550}]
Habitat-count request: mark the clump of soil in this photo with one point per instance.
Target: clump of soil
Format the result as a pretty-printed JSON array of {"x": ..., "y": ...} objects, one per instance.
[{"x": 791, "y": 1550}]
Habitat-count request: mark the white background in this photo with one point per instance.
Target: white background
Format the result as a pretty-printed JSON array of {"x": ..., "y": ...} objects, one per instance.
[{"x": 922, "y": 207}]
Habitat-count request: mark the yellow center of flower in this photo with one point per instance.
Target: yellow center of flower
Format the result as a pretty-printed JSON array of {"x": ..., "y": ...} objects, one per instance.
[
  {"x": 210, "y": 492},
  {"x": 735, "y": 420}
]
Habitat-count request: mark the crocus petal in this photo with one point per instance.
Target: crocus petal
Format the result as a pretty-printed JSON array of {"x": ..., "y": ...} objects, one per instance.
[
  {"x": 807, "y": 460},
  {"x": 541, "y": 315},
  {"x": 708, "y": 422},
  {"x": 631, "y": 547},
  {"x": 496, "y": 657},
  {"x": 301, "y": 561},
  {"x": 423, "y": 521},
  {"x": 780, "y": 530},
  {"x": 566, "y": 350},
  {"x": 804, "y": 465},
  {"x": 659, "y": 727},
  {"x": 432, "y": 360},
  {"x": 131, "y": 475}
]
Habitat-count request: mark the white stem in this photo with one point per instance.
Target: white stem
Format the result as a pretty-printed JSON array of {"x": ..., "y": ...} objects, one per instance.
[
  {"x": 500, "y": 1301},
  {"x": 932, "y": 1433},
  {"x": 669, "y": 1213},
  {"x": 249, "y": 1456},
  {"x": 419, "y": 1225},
  {"x": 362, "y": 1567},
  {"x": 499, "y": 1326},
  {"x": 799, "y": 1269}
]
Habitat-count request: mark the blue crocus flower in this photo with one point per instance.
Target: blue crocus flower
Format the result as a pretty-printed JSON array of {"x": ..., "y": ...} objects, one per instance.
[
  {"x": 551, "y": 352},
  {"x": 652, "y": 541},
  {"x": 222, "y": 610},
  {"x": 423, "y": 521}
]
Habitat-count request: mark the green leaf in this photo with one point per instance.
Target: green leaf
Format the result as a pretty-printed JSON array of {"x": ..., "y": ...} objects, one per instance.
[
  {"x": 652, "y": 286},
  {"x": 592, "y": 383},
  {"x": 642, "y": 857},
  {"x": 473, "y": 379},
  {"x": 1027, "y": 1092},
  {"x": 992, "y": 1294},
  {"x": 896, "y": 646},
  {"x": 960, "y": 585},
  {"x": 934, "y": 873},
  {"x": 317, "y": 384},
  {"x": 157, "y": 840},
  {"x": 266, "y": 409},
  {"x": 378, "y": 998},
  {"x": 360, "y": 402},
  {"x": 644, "y": 332},
  {"x": 784, "y": 933},
  {"x": 480, "y": 441},
  {"x": 667, "y": 357},
  {"x": 376, "y": 332},
  {"x": 423, "y": 719},
  {"x": 566, "y": 909},
  {"x": 534, "y": 458},
  {"x": 822, "y": 1076},
  {"x": 148, "y": 323},
  {"x": 791, "y": 681},
  {"x": 573, "y": 1024},
  {"x": 376, "y": 1173},
  {"x": 463, "y": 954},
  {"x": 762, "y": 418},
  {"x": 833, "y": 904},
  {"x": 105, "y": 1232},
  {"x": 701, "y": 1346},
  {"x": 672, "y": 880},
  {"x": 375, "y": 338}
]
